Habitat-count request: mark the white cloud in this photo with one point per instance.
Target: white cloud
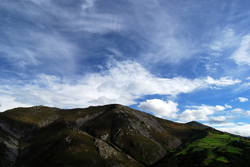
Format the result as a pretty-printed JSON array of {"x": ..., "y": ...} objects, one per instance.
[
  {"x": 223, "y": 81},
  {"x": 242, "y": 55},
  {"x": 242, "y": 129},
  {"x": 219, "y": 119},
  {"x": 199, "y": 113},
  {"x": 120, "y": 82},
  {"x": 9, "y": 102},
  {"x": 237, "y": 110},
  {"x": 247, "y": 113},
  {"x": 242, "y": 99},
  {"x": 160, "y": 108},
  {"x": 228, "y": 106}
]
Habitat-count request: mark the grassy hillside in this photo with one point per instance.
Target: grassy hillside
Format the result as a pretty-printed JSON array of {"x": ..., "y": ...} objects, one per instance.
[
  {"x": 111, "y": 135},
  {"x": 210, "y": 148}
]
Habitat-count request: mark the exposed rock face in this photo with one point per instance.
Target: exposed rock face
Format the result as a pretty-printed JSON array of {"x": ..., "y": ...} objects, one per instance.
[
  {"x": 105, "y": 150},
  {"x": 12, "y": 131},
  {"x": 48, "y": 120},
  {"x": 111, "y": 135},
  {"x": 105, "y": 137},
  {"x": 12, "y": 149},
  {"x": 82, "y": 121},
  {"x": 174, "y": 143}
]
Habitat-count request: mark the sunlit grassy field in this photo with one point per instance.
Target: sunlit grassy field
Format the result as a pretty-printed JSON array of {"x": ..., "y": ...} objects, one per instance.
[{"x": 215, "y": 144}]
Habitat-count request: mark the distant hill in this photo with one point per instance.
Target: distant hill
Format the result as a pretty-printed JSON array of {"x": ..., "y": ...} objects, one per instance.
[
  {"x": 197, "y": 124},
  {"x": 112, "y": 135}
]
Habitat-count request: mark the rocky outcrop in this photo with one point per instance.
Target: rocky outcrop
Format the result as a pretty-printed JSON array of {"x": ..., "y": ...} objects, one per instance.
[
  {"x": 105, "y": 150},
  {"x": 48, "y": 121},
  {"x": 82, "y": 121}
]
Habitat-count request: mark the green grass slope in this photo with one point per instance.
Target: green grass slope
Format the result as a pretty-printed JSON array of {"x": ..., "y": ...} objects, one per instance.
[{"x": 210, "y": 148}]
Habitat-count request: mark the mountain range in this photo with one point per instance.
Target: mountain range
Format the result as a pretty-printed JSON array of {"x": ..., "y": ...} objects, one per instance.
[{"x": 112, "y": 135}]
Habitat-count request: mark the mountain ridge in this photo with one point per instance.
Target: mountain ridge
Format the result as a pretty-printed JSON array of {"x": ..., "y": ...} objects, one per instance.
[{"x": 110, "y": 135}]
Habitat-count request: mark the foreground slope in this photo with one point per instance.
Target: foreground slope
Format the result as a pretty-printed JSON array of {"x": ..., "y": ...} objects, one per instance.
[{"x": 111, "y": 135}]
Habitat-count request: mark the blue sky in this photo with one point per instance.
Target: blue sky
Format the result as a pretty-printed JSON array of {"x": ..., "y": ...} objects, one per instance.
[{"x": 179, "y": 60}]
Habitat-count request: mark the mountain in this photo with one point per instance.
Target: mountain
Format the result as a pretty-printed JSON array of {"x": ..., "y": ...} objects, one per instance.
[{"x": 112, "y": 135}]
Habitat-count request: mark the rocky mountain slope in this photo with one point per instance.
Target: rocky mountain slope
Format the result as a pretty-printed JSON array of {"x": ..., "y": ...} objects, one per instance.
[{"x": 111, "y": 135}]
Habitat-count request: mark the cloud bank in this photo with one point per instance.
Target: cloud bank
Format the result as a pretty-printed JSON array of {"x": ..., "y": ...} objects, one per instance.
[
  {"x": 200, "y": 113},
  {"x": 118, "y": 82}
]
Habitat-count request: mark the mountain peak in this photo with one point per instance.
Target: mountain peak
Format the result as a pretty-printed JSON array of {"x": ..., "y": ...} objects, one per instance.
[
  {"x": 108, "y": 135},
  {"x": 197, "y": 124}
]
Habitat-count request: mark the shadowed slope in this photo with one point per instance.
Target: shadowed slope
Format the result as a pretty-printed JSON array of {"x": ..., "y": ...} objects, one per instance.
[{"x": 108, "y": 135}]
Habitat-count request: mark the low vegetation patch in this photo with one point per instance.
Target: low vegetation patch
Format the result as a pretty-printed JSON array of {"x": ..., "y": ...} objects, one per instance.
[
  {"x": 222, "y": 159},
  {"x": 215, "y": 144}
]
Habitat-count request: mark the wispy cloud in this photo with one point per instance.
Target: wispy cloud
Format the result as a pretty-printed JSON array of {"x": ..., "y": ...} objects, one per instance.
[
  {"x": 242, "y": 55},
  {"x": 161, "y": 35},
  {"x": 50, "y": 37},
  {"x": 29, "y": 49},
  {"x": 78, "y": 16},
  {"x": 224, "y": 39}
]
